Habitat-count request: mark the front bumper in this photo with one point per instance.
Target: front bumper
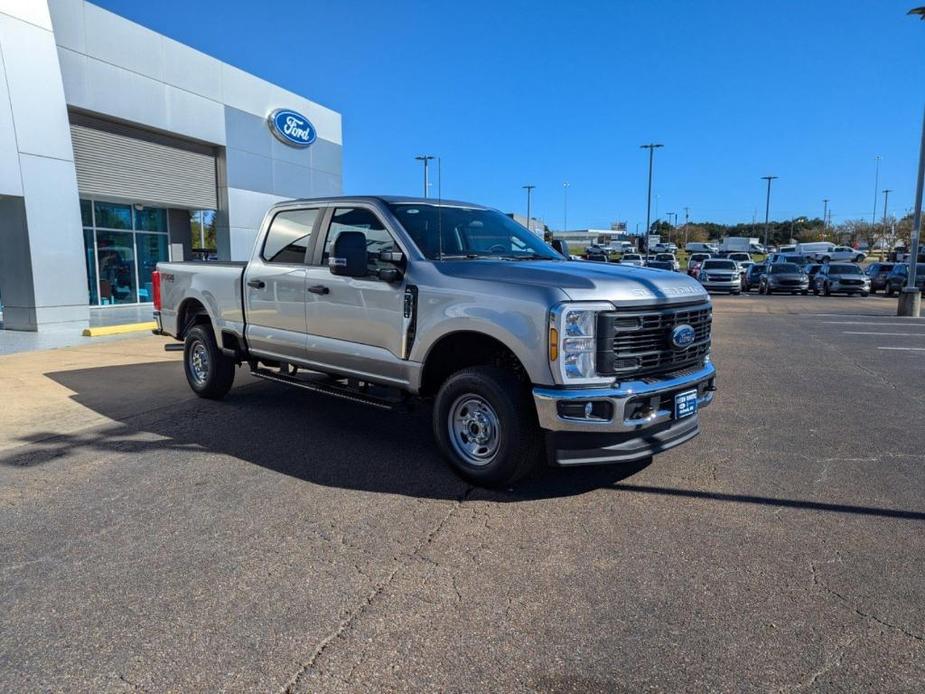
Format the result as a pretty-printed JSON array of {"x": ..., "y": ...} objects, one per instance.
[
  {"x": 836, "y": 286},
  {"x": 799, "y": 287},
  {"x": 641, "y": 423},
  {"x": 722, "y": 285}
]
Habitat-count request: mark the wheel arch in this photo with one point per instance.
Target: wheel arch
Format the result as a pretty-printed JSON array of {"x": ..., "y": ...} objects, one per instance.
[{"x": 465, "y": 348}]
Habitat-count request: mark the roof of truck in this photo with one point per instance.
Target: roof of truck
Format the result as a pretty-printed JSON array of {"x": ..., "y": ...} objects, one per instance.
[{"x": 403, "y": 199}]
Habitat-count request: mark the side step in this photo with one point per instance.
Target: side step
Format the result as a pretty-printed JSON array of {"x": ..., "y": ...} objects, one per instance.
[{"x": 326, "y": 388}]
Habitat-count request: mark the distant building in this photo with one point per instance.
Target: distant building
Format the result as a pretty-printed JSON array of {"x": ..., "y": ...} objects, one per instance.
[
  {"x": 587, "y": 237},
  {"x": 536, "y": 224}
]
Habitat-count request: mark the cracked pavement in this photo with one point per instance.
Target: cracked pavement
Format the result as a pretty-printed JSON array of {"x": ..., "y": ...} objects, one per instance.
[{"x": 281, "y": 541}]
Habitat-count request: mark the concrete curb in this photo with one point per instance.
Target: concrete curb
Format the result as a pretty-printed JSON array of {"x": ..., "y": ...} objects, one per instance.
[{"x": 119, "y": 329}]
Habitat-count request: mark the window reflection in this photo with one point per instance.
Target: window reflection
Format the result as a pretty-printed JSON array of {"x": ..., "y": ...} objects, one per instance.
[{"x": 116, "y": 257}]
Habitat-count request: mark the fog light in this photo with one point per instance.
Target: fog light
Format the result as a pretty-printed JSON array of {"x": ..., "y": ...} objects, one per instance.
[{"x": 586, "y": 409}]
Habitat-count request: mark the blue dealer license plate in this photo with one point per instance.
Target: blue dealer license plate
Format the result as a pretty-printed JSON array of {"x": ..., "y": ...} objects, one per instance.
[{"x": 685, "y": 404}]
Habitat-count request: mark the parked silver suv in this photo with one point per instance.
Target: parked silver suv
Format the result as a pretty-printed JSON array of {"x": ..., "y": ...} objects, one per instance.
[
  {"x": 719, "y": 274},
  {"x": 841, "y": 278},
  {"x": 784, "y": 277}
]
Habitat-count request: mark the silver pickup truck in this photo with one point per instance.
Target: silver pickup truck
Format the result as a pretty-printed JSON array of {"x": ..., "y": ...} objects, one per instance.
[{"x": 523, "y": 353}]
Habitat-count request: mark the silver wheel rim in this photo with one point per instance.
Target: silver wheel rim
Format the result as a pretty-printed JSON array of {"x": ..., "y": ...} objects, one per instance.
[
  {"x": 474, "y": 429},
  {"x": 199, "y": 362}
]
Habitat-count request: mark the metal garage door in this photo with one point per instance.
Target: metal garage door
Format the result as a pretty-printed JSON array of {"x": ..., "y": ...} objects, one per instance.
[{"x": 111, "y": 165}]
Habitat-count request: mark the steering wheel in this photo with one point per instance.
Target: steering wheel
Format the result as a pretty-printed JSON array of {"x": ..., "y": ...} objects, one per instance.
[{"x": 498, "y": 248}]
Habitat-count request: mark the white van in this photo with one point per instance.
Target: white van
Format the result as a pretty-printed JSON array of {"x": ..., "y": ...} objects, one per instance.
[
  {"x": 814, "y": 250},
  {"x": 700, "y": 248}
]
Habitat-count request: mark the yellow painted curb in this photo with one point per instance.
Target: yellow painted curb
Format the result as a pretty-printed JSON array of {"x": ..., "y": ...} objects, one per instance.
[{"x": 119, "y": 329}]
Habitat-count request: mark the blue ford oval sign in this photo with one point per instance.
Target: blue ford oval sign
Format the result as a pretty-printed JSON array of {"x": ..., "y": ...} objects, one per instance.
[
  {"x": 682, "y": 336},
  {"x": 291, "y": 128}
]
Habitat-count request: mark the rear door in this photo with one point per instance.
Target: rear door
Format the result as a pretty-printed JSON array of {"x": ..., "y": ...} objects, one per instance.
[
  {"x": 355, "y": 324},
  {"x": 274, "y": 285}
]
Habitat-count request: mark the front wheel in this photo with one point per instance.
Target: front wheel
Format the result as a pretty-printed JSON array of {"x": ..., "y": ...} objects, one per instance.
[
  {"x": 208, "y": 371},
  {"x": 485, "y": 425},
  {"x": 805, "y": 292},
  {"x": 864, "y": 293},
  {"x": 826, "y": 289}
]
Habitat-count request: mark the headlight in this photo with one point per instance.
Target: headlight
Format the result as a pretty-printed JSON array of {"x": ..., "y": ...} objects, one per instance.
[{"x": 573, "y": 342}]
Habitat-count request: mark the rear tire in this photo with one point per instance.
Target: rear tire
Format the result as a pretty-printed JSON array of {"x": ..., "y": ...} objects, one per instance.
[
  {"x": 864, "y": 293},
  {"x": 485, "y": 426},
  {"x": 826, "y": 290},
  {"x": 208, "y": 371}
]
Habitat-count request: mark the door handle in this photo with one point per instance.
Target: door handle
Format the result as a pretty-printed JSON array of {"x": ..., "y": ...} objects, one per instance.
[
  {"x": 319, "y": 289},
  {"x": 256, "y": 284}
]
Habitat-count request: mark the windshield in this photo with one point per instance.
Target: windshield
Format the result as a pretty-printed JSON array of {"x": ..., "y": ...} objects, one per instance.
[
  {"x": 468, "y": 233},
  {"x": 844, "y": 270},
  {"x": 661, "y": 265},
  {"x": 632, "y": 256},
  {"x": 718, "y": 265},
  {"x": 781, "y": 268}
]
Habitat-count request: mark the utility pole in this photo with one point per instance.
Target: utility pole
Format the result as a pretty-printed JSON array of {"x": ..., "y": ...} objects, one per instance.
[
  {"x": 767, "y": 208},
  {"x": 529, "y": 190},
  {"x": 886, "y": 197},
  {"x": 565, "y": 207},
  {"x": 910, "y": 301},
  {"x": 425, "y": 158},
  {"x": 651, "y": 147},
  {"x": 686, "y": 220},
  {"x": 825, "y": 216}
]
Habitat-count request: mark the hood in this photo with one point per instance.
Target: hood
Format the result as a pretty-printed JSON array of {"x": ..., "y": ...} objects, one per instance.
[{"x": 582, "y": 280}]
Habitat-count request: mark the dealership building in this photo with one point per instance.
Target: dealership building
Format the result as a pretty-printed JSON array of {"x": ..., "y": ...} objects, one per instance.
[{"x": 120, "y": 147}]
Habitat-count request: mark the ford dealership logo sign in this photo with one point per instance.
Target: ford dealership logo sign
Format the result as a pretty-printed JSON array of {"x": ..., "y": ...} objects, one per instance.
[
  {"x": 682, "y": 336},
  {"x": 291, "y": 128}
]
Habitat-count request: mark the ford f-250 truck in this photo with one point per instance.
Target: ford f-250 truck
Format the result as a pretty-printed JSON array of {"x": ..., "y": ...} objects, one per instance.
[{"x": 521, "y": 351}]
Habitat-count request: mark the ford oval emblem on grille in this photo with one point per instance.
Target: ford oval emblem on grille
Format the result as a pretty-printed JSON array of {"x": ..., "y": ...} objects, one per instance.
[{"x": 682, "y": 336}]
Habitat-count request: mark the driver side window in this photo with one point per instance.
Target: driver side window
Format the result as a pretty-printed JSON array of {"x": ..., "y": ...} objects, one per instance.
[{"x": 366, "y": 221}]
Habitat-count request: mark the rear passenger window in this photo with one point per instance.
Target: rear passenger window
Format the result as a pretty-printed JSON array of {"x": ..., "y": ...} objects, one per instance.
[
  {"x": 289, "y": 235},
  {"x": 360, "y": 219}
]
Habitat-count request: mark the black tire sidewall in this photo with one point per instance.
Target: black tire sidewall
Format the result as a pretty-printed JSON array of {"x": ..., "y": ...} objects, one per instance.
[
  {"x": 221, "y": 368},
  {"x": 518, "y": 430}
]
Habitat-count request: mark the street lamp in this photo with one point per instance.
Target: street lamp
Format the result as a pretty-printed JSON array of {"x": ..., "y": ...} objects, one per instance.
[
  {"x": 886, "y": 197},
  {"x": 565, "y": 206},
  {"x": 529, "y": 190},
  {"x": 651, "y": 147},
  {"x": 425, "y": 158},
  {"x": 767, "y": 208},
  {"x": 873, "y": 217}
]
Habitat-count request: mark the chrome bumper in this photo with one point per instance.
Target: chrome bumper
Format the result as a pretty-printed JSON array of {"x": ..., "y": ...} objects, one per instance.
[{"x": 547, "y": 402}]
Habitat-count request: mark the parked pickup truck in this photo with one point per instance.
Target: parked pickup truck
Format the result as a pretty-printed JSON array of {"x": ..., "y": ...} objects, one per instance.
[{"x": 522, "y": 353}]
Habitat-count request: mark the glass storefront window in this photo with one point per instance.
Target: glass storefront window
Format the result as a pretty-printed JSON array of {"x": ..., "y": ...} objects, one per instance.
[
  {"x": 151, "y": 219},
  {"x": 86, "y": 213},
  {"x": 208, "y": 230},
  {"x": 116, "y": 256},
  {"x": 90, "y": 257},
  {"x": 112, "y": 216},
  {"x": 152, "y": 248}
]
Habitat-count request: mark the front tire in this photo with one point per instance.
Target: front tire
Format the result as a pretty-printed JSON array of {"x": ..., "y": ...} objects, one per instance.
[
  {"x": 208, "y": 371},
  {"x": 485, "y": 426},
  {"x": 826, "y": 290}
]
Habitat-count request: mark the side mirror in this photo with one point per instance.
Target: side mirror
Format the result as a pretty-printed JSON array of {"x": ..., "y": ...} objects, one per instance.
[
  {"x": 560, "y": 247},
  {"x": 348, "y": 258},
  {"x": 390, "y": 274}
]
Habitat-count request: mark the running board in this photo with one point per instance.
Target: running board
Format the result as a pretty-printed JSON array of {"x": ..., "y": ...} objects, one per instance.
[{"x": 335, "y": 391}]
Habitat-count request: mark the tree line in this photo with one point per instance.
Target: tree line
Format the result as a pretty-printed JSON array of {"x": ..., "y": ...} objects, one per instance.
[{"x": 851, "y": 232}]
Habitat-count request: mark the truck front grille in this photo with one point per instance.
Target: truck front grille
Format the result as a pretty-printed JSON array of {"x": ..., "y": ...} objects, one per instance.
[{"x": 638, "y": 343}]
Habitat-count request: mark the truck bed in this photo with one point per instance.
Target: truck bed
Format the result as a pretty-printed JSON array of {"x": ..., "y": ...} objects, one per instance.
[{"x": 215, "y": 285}]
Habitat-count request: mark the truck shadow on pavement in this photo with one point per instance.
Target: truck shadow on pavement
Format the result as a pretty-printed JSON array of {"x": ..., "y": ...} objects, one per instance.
[{"x": 312, "y": 437}]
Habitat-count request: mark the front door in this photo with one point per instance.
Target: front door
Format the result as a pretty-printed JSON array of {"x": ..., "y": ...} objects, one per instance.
[
  {"x": 274, "y": 286},
  {"x": 355, "y": 324}
]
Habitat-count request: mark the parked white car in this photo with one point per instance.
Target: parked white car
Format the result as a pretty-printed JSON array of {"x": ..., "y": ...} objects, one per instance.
[
  {"x": 669, "y": 257},
  {"x": 840, "y": 254},
  {"x": 697, "y": 247},
  {"x": 631, "y": 259}
]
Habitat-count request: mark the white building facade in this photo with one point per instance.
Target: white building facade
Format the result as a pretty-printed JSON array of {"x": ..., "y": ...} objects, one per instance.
[{"x": 120, "y": 146}]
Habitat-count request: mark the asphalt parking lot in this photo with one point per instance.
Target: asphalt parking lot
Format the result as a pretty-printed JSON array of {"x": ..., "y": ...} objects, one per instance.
[{"x": 282, "y": 541}]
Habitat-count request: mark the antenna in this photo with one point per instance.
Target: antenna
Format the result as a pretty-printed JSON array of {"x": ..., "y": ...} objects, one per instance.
[{"x": 439, "y": 208}]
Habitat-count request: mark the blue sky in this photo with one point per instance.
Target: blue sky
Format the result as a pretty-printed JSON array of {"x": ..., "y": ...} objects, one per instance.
[{"x": 510, "y": 93}]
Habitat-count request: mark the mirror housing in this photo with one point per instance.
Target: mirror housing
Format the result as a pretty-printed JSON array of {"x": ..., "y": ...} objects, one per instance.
[
  {"x": 348, "y": 257},
  {"x": 560, "y": 246},
  {"x": 394, "y": 257},
  {"x": 390, "y": 274}
]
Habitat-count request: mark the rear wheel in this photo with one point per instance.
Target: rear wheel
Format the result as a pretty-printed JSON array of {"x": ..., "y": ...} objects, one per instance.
[
  {"x": 864, "y": 293},
  {"x": 208, "y": 371},
  {"x": 889, "y": 290},
  {"x": 485, "y": 425},
  {"x": 826, "y": 289}
]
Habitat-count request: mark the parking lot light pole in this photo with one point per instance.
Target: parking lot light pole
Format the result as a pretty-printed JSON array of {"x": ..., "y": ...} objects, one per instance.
[
  {"x": 825, "y": 216},
  {"x": 873, "y": 216},
  {"x": 529, "y": 190},
  {"x": 767, "y": 208},
  {"x": 565, "y": 206},
  {"x": 425, "y": 158},
  {"x": 910, "y": 300},
  {"x": 651, "y": 147}
]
